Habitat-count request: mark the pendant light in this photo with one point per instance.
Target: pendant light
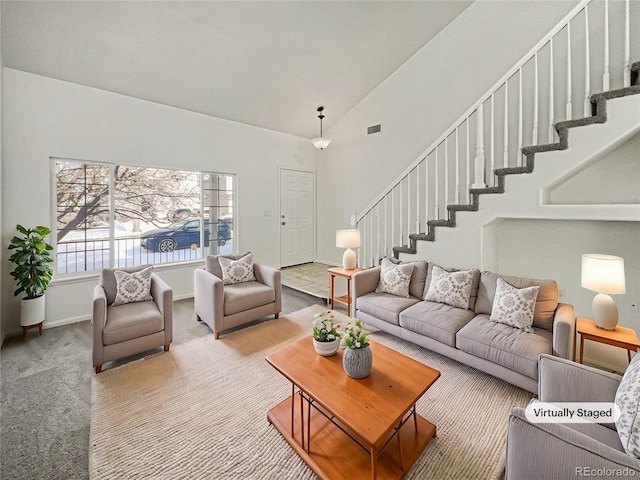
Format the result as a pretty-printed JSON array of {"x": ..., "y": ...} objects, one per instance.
[{"x": 320, "y": 142}]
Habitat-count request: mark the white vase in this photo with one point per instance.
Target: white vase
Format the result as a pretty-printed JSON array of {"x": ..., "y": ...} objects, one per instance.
[
  {"x": 32, "y": 311},
  {"x": 326, "y": 349}
]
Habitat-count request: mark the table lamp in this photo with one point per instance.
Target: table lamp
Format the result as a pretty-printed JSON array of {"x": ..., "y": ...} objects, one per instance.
[
  {"x": 348, "y": 239},
  {"x": 603, "y": 274}
]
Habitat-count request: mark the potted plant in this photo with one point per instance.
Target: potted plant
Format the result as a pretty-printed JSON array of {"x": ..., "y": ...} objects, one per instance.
[
  {"x": 358, "y": 358},
  {"x": 33, "y": 271},
  {"x": 326, "y": 340}
]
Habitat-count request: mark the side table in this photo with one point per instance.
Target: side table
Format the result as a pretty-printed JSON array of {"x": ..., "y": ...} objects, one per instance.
[
  {"x": 343, "y": 273},
  {"x": 622, "y": 337}
]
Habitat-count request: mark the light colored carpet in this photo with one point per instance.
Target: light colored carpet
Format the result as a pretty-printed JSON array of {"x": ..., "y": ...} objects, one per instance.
[{"x": 199, "y": 411}]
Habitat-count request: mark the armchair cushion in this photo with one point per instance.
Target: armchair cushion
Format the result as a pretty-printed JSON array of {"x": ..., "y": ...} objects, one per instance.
[
  {"x": 237, "y": 271},
  {"x": 109, "y": 283},
  {"x": 628, "y": 400},
  {"x": 212, "y": 265},
  {"x": 132, "y": 287},
  {"x": 132, "y": 320},
  {"x": 246, "y": 295}
]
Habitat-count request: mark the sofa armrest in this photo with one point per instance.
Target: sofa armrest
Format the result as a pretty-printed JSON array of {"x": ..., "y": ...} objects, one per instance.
[
  {"x": 98, "y": 319},
  {"x": 564, "y": 331},
  {"x": 208, "y": 298},
  {"x": 561, "y": 380},
  {"x": 162, "y": 294},
  {"x": 364, "y": 282},
  {"x": 272, "y": 277},
  {"x": 553, "y": 451}
]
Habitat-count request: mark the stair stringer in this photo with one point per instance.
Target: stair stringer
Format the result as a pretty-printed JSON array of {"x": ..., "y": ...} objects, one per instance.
[{"x": 463, "y": 246}]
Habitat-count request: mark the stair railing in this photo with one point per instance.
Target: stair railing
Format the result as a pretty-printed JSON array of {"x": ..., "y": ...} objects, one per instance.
[{"x": 519, "y": 110}]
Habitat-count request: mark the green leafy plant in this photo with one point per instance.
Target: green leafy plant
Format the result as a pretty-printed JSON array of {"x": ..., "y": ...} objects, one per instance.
[
  {"x": 324, "y": 327},
  {"x": 33, "y": 270},
  {"x": 354, "y": 335}
]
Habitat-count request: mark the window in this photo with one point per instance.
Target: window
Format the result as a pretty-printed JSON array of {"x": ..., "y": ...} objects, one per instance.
[{"x": 120, "y": 215}]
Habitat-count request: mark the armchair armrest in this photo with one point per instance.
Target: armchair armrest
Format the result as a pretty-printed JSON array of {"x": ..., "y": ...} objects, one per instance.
[
  {"x": 553, "y": 451},
  {"x": 365, "y": 282},
  {"x": 270, "y": 276},
  {"x": 561, "y": 380},
  {"x": 564, "y": 331},
  {"x": 98, "y": 319},
  {"x": 163, "y": 296},
  {"x": 209, "y": 298}
]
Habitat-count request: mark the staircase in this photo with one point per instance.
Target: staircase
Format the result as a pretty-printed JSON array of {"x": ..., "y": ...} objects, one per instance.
[{"x": 463, "y": 164}]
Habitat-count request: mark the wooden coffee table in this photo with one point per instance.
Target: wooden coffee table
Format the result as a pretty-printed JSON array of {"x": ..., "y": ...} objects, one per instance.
[{"x": 343, "y": 427}]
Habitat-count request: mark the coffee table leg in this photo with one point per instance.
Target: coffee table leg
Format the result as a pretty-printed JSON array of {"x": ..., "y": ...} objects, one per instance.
[
  {"x": 308, "y": 425},
  {"x": 374, "y": 462},
  {"x": 302, "y": 418},
  {"x": 293, "y": 406}
]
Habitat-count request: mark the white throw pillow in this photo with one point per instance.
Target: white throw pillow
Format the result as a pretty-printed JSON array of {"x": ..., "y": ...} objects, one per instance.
[
  {"x": 628, "y": 400},
  {"x": 237, "y": 271},
  {"x": 133, "y": 287},
  {"x": 514, "y": 306},
  {"x": 452, "y": 288},
  {"x": 394, "y": 279}
]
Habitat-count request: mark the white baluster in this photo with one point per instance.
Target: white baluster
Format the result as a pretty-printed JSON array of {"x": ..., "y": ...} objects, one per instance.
[
  {"x": 587, "y": 68},
  {"x": 418, "y": 196},
  {"x": 493, "y": 142},
  {"x": 551, "y": 107},
  {"x": 437, "y": 187},
  {"x": 520, "y": 119},
  {"x": 468, "y": 162},
  {"x": 426, "y": 193},
  {"x": 401, "y": 216},
  {"x": 373, "y": 257},
  {"x": 386, "y": 245},
  {"x": 569, "y": 110},
  {"x": 457, "y": 199},
  {"x": 605, "y": 75},
  {"x": 534, "y": 135},
  {"x": 378, "y": 254},
  {"x": 393, "y": 217},
  {"x": 505, "y": 129},
  {"x": 408, "y": 206},
  {"x": 479, "y": 162},
  {"x": 627, "y": 47},
  {"x": 446, "y": 175}
]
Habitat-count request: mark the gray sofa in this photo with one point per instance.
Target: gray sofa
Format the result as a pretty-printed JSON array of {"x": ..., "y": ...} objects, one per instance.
[
  {"x": 467, "y": 335},
  {"x": 552, "y": 451}
]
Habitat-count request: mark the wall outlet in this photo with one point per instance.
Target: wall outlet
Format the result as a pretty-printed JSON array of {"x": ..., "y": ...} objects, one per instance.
[
  {"x": 634, "y": 306},
  {"x": 562, "y": 293}
]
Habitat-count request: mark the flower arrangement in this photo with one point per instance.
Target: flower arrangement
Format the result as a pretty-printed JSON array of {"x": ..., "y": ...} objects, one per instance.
[
  {"x": 325, "y": 327},
  {"x": 354, "y": 335}
]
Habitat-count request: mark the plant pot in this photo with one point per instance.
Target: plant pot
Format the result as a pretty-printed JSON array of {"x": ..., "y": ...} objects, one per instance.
[
  {"x": 357, "y": 362},
  {"x": 326, "y": 349},
  {"x": 31, "y": 311}
]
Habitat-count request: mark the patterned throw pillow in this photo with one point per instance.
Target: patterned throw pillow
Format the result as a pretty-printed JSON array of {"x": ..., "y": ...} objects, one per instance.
[
  {"x": 514, "y": 306},
  {"x": 394, "y": 279},
  {"x": 237, "y": 271},
  {"x": 628, "y": 400},
  {"x": 132, "y": 287},
  {"x": 452, "y": 288}
]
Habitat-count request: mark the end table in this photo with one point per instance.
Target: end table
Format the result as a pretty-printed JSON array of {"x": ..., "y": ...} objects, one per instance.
[
  {"x": 343, "y": 273},
  {"x": 622, "y": 337}
]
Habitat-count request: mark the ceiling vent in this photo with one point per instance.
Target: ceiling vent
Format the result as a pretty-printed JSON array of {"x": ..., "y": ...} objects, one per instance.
[{"x": 374, "y": 129}]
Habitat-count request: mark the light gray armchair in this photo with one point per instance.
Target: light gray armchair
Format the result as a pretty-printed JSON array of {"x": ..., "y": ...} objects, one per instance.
[
  {"x": 124, "y": 330},
  {"x": 541, "y": 451},
  {"x": 227, "y": 306}
]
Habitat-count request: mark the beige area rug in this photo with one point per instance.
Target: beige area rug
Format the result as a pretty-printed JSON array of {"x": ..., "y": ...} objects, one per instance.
[{"x": 199, "y": 411}]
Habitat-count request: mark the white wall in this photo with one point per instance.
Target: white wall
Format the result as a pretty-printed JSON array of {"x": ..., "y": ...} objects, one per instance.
[
  {"x": 419, "y": 101},
  {"x": 2, "y": 253},
  {"x": 49, "y": 118}
]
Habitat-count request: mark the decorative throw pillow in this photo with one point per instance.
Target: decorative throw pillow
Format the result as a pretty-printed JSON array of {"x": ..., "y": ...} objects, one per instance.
[
  {"x": 452, "y": 288},
  {"x": 514, "y": 306},
  {"x": 132, "y": 287},
  {"x": 628, "y": 401},
  {"x": 394, "y": 279},
  {"x": 237, "y": 271}
]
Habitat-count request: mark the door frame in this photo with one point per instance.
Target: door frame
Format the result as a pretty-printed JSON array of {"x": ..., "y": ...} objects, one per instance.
[{"x": 313, "y": 208}]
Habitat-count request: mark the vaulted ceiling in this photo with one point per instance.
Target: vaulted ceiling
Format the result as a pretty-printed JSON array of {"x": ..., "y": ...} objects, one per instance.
[{"x": 263, "y": 63}]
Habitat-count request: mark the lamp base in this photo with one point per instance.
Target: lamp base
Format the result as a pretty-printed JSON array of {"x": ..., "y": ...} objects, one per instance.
[
  {"x": 349, "y": 259},
  {"x": 605, "y": 312}
]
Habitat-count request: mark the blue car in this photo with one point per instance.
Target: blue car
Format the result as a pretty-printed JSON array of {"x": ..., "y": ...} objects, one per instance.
[{"x": 182, "y": 234}]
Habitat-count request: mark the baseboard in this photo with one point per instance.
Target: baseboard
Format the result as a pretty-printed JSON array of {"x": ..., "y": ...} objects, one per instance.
[
  {"x": 327, "y": 262},
  {"x": 65, "y": 321}
]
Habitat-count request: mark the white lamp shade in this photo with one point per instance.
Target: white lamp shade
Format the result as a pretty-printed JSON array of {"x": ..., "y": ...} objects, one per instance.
[
  {"x": 349, "y": 238},
  {"x": 603, "y": 273},
  {"x": 321, "y": 142}
]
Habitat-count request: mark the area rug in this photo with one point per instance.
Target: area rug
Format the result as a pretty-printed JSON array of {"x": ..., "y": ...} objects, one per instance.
[{"x": 199, "y": 411}]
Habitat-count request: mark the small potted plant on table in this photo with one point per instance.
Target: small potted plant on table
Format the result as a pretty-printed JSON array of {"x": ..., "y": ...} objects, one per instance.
[
  {"x": 358, "y": 358},
  {"x": 326, "y": 340}
]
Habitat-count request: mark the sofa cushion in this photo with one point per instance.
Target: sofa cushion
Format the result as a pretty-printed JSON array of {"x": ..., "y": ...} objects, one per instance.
[
  {"x": 436, "y": 320},
  {"x": 131, "y": 320},
  {"x": 514, "y": 306},
  {"x": 546, "y": 302},
  {"x": 507, "y": 346},
  {"x": 452, "y": 288},
  {"x": 474, "y": 283},
  {"x": 246, "y": 295},
  {"x": 394, "y": 278},
  {"x": 108, "y": 280},
  {"x": 385, "y": 306},
  {"x": 418, "y": 276},
  {"x": 628, "y": 401}
]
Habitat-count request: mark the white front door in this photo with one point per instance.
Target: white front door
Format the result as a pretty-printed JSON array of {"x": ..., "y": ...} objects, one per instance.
[{"x": 297, "y": 217}]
